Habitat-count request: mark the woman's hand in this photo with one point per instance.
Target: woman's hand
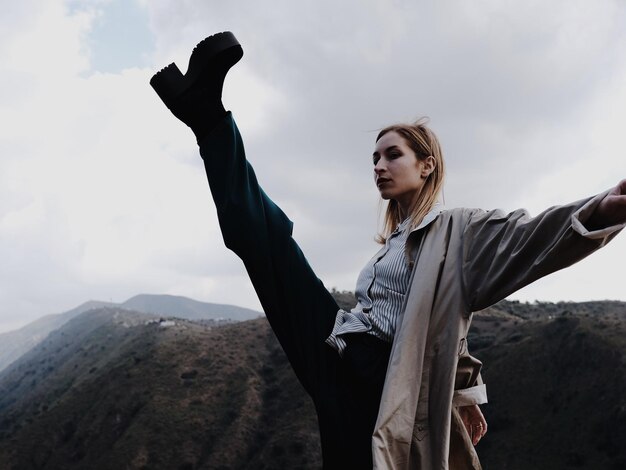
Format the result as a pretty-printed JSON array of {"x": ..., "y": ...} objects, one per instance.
[
  {"x": 611, "y": 210},
  {"x": 474, "y": 422}
]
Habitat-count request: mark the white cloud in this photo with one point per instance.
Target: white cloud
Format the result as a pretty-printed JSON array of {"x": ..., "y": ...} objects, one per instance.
[{"x": 103, "y": 195}]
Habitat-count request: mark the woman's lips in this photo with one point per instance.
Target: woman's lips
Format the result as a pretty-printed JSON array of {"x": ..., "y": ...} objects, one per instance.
[{"x": 381, "y": 181}]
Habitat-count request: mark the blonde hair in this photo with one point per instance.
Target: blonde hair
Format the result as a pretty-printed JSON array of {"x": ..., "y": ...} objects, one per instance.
[{"x": 423, "y": 141}]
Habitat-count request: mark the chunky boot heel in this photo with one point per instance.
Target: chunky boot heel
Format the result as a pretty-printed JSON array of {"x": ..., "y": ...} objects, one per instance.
[
  {"x": 196, "y": 97},
  {"x": 212, "y": 56},
  {"x": 169, "y": 83}
]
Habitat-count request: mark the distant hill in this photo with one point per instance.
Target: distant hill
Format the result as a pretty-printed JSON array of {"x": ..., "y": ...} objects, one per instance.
[
  {"x": 15, "y": 343},
  {"x": 183, "y": 307},
  {"x": 117, "y": 389}
]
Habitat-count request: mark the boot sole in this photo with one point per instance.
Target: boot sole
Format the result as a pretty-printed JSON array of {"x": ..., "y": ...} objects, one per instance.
[{"x": 169, "y": 82}]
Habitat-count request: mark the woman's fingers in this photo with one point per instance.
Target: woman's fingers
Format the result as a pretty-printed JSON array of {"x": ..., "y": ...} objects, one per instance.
[
  {"x": 479, "y": 429},
  {"x": 474, "y": 422}
]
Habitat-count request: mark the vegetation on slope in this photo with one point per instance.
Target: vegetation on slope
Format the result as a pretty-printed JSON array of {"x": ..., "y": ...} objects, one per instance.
[{"x": 115, "y": 389}]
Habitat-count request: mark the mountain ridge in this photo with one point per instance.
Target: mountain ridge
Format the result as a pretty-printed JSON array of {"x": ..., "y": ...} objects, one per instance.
[{"x": 14, "y": 344}]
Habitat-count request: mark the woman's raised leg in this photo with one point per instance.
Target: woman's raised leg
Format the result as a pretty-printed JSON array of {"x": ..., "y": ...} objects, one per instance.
[{"x": 299, "y": 308}]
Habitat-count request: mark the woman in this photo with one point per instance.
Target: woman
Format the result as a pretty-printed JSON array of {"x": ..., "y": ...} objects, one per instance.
[{"x": 392, "y": 381}]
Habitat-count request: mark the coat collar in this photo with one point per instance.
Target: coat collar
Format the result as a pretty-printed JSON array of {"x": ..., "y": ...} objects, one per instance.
[
  {"x": 411, "y": 247},
  {"x": 437, "y": 209}
]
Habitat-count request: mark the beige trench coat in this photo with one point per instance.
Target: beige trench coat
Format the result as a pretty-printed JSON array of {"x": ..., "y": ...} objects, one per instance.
[{"x": 466, "y": 260}]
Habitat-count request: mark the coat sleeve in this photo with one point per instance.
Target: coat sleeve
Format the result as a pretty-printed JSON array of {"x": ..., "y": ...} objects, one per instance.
[
  {"x": 469, "y": 388},
  {"x": 505, "y": 252}
]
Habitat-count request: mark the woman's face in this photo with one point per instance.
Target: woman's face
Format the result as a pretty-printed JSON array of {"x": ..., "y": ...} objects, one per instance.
[{"x": 398, "y": 173}]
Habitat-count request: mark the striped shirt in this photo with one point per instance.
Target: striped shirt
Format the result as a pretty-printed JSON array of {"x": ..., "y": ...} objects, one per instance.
[{"x": 380, "y": 292}]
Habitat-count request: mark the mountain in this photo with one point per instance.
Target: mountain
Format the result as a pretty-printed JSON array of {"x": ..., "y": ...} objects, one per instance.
[
  {"x": 183, "y": 307},
  {"x": 15, "y": 343},
  {"x": 117, "y": 389},
  {"x": 556, "y": 378}
]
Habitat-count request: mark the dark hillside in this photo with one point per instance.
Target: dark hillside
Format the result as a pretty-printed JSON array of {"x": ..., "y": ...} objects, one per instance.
[
  {"x": 557, "y": 396},
  {"x": 114, "y": 389}
]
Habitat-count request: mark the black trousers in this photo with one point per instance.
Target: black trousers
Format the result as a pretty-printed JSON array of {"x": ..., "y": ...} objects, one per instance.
[{"x": 346, "y": 392}]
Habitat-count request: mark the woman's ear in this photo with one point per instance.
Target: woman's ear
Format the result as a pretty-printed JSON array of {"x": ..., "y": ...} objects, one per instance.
[{"x": 428, "y": 166}]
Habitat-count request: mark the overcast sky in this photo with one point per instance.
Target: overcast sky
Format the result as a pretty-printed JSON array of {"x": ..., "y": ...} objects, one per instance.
[{"x": 103, "y": 194}]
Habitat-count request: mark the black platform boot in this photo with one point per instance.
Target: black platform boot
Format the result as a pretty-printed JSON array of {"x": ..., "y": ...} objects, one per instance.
[{"x": 196, "y": 97}]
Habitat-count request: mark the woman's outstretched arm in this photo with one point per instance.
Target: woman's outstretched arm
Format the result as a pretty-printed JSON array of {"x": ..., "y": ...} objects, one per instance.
[{"x": 505, "y": 252}]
